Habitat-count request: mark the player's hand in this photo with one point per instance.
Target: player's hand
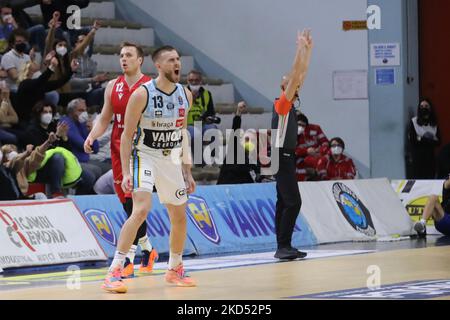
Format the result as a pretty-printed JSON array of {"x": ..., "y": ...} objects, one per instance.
[
  {"x": 190, "y": 184},
  {"x": 88, "y": 145},
  {"x": 127, "y": 183}
]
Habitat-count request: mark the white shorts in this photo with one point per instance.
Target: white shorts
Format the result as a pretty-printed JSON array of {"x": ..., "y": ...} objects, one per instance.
[{"x": 152, "y": 169}]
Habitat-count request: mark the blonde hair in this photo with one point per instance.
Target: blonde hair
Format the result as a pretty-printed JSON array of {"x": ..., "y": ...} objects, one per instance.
[{"x": 23, "y": 72}]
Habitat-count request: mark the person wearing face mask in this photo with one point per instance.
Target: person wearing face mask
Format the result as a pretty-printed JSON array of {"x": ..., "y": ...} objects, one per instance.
[
  {"x": 14, "y": 59},
  {"x": 64, "y": 54},
  {"x": 201, "y": 112},
  {"x": 77, "y": 118},
  {"x": 312, "y": 144},
  {"x": 285, "y": 129},
  {"x": 335, "y": 165},
  {"x": 423, "y": 138},
  {"x": 9, "y": 186},
  {"x": 31, "y": 90}
]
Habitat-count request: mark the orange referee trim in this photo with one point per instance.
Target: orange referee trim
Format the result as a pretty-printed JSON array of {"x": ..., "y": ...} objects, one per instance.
[{"x": 283, "y": 105}]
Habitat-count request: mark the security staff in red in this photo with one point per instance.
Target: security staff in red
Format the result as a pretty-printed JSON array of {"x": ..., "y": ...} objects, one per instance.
[
  {"x": 284, "y": 121},
  {"x": 336, "y": 165}
]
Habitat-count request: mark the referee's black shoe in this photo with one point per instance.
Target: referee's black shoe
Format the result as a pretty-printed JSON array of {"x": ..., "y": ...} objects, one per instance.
[{"x": 289, "y": 254}]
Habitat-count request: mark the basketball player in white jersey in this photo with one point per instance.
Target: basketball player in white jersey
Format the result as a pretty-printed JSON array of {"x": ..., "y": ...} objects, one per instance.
[{"x": 160, "y": 157}]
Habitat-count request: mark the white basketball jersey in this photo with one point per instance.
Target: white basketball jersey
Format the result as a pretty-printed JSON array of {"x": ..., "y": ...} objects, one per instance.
[{"x": 160, "y": 127}]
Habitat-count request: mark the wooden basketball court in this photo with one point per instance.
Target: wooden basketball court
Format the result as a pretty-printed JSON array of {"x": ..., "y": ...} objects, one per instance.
[{"x": 277, "y": 280}]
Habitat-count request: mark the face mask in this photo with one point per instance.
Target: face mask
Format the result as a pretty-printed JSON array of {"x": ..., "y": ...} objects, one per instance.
[
  {"x": 61, "y": 51},
  {"x": 21, "y": 47},
  {"x": 83, "y": 117},
  {"x": 336, "y": 151},
  {"x": 7, "y": 18},
  {"x": 194, "y": 88},
  {"x": 12, "y": 155},
  {"x": 46, "y": 118},
  {"x": 301, "y": 130}
]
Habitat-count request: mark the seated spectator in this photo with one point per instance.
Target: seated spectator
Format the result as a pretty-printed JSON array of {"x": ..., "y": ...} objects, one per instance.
[
  {"x": 32, "y": 91},
  {"x": 60, "y": 168},
  {"x": 234, "y": 169},
  {"x": 14, "y": 59},
  {"x": 77, "y": 118},
  {"x": 7, "y": 25},
  {"x": 8, "y": 181},
  {"x": 311, "y": 145},
  {"x": 8, "y": 16},
  {"x": 8, "y": 118},
  {"x": 201, "y": 116},
  {"x": 335, "y": 165},
  {"x": 105, "y": 184},
  {"x": 86, "y": 79},
  {"x": 423, "y": 138},
  {"x": 438, "y": 211},
  {"x": 31, "y": 159}
]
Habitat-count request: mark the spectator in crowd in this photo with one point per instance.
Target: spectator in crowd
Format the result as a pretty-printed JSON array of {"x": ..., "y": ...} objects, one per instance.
[
  {"x": 202, "y": 109},
  {"x": 14, "y": 59},
  {"x": 32, "y": 91},
  {"x": 240, "y": 170},
  {"x": 105, "y": 184},
  {"x": 438, "y": 211},
  {"x": 31, "y": 159},
  {"x": 60, "y": 168},
  {"x": 335, "y": 165},
  {"x": 8, "y": 117},
  {"x": 8, "y": 22},
  {"x": 86, "y": 79},
  {"x": 77, "y": 118},
  {"x": 8, "y": 181},
  {"x": 63, "y": 52},
  {"x": 312, "y": 144},
  {"x": 423, "y": 137}
]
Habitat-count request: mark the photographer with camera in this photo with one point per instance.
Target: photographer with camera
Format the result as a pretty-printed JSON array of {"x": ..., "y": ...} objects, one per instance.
[{"x": 202, "y": 109}]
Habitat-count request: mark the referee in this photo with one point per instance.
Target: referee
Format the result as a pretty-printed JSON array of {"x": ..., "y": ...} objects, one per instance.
[{"x": 284, "y": 120}]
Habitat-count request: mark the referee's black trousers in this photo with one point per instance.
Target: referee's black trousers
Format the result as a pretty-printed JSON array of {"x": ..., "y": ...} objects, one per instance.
[{"x": 288, "y": 198}]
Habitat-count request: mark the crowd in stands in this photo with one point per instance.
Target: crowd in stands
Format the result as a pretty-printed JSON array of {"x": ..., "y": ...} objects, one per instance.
[
  {"x": 51, "y": 93},
  {"x": 48, "y": 83}
]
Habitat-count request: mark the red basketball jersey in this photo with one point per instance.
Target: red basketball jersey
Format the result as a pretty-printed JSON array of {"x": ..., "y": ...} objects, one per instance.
[{"x": 120, "y": 95}]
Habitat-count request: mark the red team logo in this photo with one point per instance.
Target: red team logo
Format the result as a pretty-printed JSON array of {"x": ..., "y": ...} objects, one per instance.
[{"x": 181, "y": 112}]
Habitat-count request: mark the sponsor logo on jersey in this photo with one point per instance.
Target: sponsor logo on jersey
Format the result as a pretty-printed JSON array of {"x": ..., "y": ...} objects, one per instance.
[
  {"x": 179, "y": 123},
  {"x": 158, "y": 113},
  {"x": 181, "y": 112},
  {"x": 170, "y": 106},
  {"x": 147, "y": 173},
  {"x": 162, "y": 125},
  {"x": 162, "y": 139},
  {"x": 180, "y": 100}
]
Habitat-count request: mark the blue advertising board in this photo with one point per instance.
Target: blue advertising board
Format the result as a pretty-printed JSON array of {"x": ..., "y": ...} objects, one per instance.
[{"x": 221, "y": 219}]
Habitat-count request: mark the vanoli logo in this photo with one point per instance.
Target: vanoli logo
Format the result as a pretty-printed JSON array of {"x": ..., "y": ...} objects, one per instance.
[
  {"x": 101, "y": 225},
  {"x": 200, "y": 215}
]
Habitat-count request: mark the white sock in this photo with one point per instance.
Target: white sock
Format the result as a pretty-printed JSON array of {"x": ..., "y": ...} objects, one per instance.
[
  {"x": 132, "y": 253},
  {"x": 119, "y": 259},
  {"x": 175, "y": 260},
  {"x": 423, "y": 221},
  {"x": 145, "y": 244}
]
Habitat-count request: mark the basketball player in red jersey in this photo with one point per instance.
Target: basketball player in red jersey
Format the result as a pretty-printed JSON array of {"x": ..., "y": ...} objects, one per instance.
[{"x": 117, "y": 94}]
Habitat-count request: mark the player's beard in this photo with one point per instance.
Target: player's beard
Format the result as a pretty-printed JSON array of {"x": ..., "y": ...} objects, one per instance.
[{"x": 172, "y": 77}]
